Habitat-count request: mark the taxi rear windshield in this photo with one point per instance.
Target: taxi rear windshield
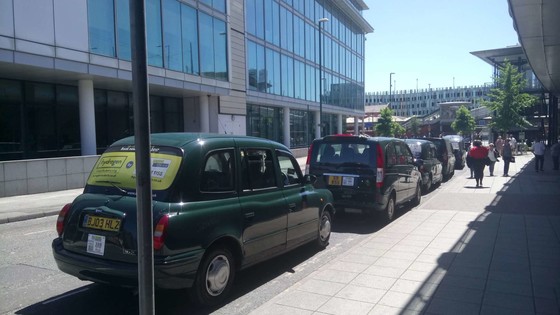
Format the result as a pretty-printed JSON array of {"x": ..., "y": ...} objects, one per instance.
[
  {"x": 416, "y": 149},
  {"x": 344, "y": 152},
  {"x": 116, "y": 168}
]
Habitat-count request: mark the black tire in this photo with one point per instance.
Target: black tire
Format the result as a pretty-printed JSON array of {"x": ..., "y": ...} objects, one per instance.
[
  {"x": 389, "y": 213},
  {"x": 426, "y": 188},
  {"x": 417, "y": 196},
  {"x": 214, "y": 278},
  {"x": 324, "y": 230}
]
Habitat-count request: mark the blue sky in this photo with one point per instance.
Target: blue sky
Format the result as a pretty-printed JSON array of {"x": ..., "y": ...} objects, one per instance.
[{"x": 431, "y": 40}]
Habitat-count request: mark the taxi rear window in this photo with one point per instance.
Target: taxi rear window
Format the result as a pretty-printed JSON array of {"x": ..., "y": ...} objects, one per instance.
[
  {"x": 117, "y": 167},
  {"x": 344, "y": 152},
  {"x": 416, "y": 149}
]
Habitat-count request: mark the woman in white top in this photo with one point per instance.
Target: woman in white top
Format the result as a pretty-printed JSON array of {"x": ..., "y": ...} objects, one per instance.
[{"x": 493, "y": 156}]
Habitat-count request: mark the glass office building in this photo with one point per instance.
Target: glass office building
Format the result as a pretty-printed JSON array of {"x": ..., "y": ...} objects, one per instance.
[
  {"x": 250, "y": 67},
  {"x": 292, "y": 73}
]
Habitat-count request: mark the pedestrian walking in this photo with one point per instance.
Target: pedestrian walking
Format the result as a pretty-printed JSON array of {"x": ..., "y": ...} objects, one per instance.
[
  {"x": 507, "y": 157},
  {"x": 468, "y": 160},
  {"x": 538, "y": 151},
  {"x": 500, "y": 144},
  {"x": 478, "y": 156},
  {"x": 493, "y": 156},
  {"x": 555, "y": 154},
  {"x": 513, "y": 145}
]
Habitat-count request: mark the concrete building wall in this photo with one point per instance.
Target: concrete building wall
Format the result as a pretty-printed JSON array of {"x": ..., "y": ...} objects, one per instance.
[{"x": 44, "y": 175}]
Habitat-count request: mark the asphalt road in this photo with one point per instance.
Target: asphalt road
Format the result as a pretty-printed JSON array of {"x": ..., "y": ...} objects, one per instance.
[{"x": 30, "y": 282}]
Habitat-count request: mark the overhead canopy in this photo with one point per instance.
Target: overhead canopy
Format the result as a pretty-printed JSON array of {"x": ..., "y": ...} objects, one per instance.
[
  {"x": 513, "y": 54},
  {"x": 537, "y": 23}
]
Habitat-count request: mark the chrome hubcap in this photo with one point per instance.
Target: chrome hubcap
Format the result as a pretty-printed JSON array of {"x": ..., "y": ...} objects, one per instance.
[
  {"x": 390, "y": 209},
  {"x": 325, "y": 229},
  {"x": 217, "y": 275}
]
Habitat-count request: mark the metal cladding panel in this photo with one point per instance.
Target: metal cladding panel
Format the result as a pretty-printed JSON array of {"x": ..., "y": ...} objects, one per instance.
[{"x": 537, "y": 26}]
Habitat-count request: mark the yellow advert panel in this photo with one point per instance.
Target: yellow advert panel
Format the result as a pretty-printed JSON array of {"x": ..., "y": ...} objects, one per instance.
[{"x": 119, "y": 169}]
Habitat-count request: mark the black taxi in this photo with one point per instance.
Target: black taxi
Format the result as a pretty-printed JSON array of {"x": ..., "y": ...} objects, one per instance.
[
  {"x": 365, "y": 174},
  {"x": 220, "y": 203}
]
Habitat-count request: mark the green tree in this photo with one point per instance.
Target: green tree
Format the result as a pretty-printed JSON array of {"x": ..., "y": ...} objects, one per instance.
[
  {"x": 384, "y": 126},
  {"x": 397, "y": 129},
  {"x": 464, "y": 122},
  {"x": 414, "y": 126},
  {"x": 507, "y": 101}
]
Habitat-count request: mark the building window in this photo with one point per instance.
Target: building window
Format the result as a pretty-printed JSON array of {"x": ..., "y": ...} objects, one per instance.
[
  {"x": 301, "y": 128},
  {"x": 286, "y": 25},
  {"x": 38, "y": 120},
  {"x": 11, "y": 111},
  {"x": 153, "y": 33},
  {"x": 101, "y": 24},
  {"x": 113, "y": 108},
  {"x": 123, "y": 30},
  {"x": 166, "y": 114},
  {"x": 172, "y": 31},
  {"x": 219, "y": 5},
  {"x": 272, "y": 71},
  {"x": 213, "y": 47},
  {"x": 173, "y": 55},
  {"x": 189, "y": 22},
  {"x": 265, "y": 122}
]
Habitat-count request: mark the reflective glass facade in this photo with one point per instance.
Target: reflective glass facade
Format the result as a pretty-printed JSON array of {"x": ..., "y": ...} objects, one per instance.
[
  {"x": 283, "y": 58},
  {"x": 39, "y": 120},
  {"x": 283, "y": 52},
  {"x": 265, "y": 122},
  {"x": 179, "y": 37},
  {"x": 301, "y": 128}
]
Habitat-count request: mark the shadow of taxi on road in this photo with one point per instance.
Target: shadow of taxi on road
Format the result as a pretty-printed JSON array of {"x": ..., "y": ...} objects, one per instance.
[{"x": 104, "y": 299}]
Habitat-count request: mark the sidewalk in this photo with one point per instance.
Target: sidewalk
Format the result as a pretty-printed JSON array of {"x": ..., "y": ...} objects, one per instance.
[
  {"x": 464, "y": 250},
  {"x": 25, "y": 207}
]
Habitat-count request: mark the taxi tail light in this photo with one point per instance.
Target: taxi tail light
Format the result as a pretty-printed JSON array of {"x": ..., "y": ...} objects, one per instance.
[
  {"x": 308, "y": 159},
  {"x": 160, "y": 232},
  {"x": 380, "y": 167},
  {"x": 61, "y": 218}
]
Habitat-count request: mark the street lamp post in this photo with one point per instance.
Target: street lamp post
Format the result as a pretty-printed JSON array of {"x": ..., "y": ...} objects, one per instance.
[
  {"x": 320, "y": 122},
  {"x": 390, "y": 86}
]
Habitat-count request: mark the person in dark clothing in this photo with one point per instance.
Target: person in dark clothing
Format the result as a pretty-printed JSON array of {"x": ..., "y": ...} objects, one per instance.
[
  {"x": 478, "y": 155},
  {"x": 507, "y": 156}
]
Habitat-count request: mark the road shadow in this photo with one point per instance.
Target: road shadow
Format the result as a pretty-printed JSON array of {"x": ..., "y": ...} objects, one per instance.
[
  {"x": 94, "y": 298},
  {"x": 358, "y": 223}
]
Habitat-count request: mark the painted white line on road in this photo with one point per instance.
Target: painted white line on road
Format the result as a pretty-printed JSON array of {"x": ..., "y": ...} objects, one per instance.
[
  {"x": 65, "y": 296},
  {"x": 43, "y": 231}
]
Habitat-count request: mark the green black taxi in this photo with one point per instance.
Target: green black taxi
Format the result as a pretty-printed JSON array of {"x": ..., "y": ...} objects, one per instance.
[
  {"x": 371, "y": 175},
  {"x": 220, "y": 203}
]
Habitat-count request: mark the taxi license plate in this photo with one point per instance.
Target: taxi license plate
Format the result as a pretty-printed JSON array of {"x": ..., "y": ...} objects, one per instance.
[
  {"x": 341, "y": 181},
  {"x": 335, "y": 180},
  {"x": 101, "y": 223}
]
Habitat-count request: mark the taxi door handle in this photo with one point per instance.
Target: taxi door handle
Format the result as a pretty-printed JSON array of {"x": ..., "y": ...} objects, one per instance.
[{"x": 292, "y": 207}]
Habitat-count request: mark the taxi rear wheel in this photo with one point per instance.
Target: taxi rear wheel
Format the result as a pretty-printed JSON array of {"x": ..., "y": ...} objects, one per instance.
[
  {"x": 324, "y": 233},
  {"x": 390, "y": 209},
  {"x": 214, "y": 278},
  {"x": 417, "y": 196},
  {"x": 428, "y": 186}
]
